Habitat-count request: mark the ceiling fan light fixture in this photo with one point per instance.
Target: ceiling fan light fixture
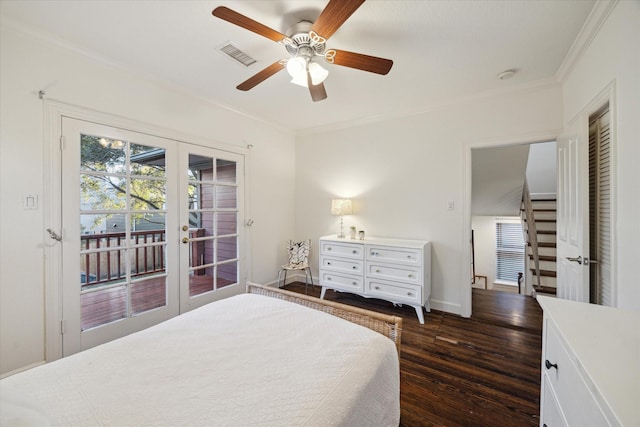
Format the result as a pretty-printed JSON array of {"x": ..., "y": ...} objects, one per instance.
[
  {"x": 297, "y": 69},
  {"x": 318, "y": 73}
]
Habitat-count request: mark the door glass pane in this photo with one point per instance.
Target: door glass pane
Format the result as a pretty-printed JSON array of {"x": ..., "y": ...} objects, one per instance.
[
  {"x": 201, "y": 224},
  {"x": 227, "y": 274},
  {"x": 226, "y": 223},
  {"x": 148, "y": 161},
  {"x": 225, "y": 171},
  {"x": 226, "y": 197},
  {"x": 102, "y": 192},
  {"x": 227, "y": 248},
  {"x": 102, "y": 306},
  {"x": 99, "y": 154},
  {"x": 122, "y": 256},
  {"x": 200, "y": 168}
]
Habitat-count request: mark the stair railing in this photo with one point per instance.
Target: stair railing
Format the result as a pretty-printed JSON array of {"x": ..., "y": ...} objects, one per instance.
[{"x": 531, "y": 229}]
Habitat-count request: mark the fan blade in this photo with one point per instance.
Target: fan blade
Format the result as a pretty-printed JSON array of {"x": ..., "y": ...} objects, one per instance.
[
  {"x": 247, "y": 23},
  {"x": 359, "y": 61},
  {"x": 334, "y": 15},
  {"x": 260, "y": 76},
  {"x": 318, "y": 92}
]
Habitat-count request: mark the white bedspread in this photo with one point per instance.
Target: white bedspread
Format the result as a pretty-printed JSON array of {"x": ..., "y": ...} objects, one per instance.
[{"x": 245, "y": 360}]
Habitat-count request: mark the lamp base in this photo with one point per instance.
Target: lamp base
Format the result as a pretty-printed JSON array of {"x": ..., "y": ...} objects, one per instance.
[{"x": 341, "y": 235}]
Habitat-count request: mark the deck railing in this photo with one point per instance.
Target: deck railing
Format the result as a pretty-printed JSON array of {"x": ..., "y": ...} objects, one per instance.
[{"x": 100, "y": 265}]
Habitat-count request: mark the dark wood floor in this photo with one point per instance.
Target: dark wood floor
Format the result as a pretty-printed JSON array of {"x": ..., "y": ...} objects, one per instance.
[{"x": 481, "y": 371}]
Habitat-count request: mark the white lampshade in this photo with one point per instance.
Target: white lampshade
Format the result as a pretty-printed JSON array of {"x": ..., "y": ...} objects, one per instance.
[
  {"x": 318, "y": 74},
  {"x": 297, "y": 69},
  {"x": 341, "y": 207}
]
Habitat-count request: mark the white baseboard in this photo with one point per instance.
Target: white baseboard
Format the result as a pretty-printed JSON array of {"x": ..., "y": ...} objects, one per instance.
[{"x": 445, "y": 306}]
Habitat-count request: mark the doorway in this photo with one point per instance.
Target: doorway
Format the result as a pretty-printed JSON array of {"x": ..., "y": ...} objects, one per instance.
[{"x": 150, "y": 230}]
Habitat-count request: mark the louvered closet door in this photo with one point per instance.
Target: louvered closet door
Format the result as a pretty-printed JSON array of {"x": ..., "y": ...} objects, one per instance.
[{"x": 600, "y": 209}]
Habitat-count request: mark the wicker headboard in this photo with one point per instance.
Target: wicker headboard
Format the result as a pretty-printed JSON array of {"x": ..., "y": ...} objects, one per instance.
[{"x": 389, "y": 326}]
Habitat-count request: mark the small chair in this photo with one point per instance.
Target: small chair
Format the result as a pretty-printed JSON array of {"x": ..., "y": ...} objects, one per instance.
[{"x": 298, "y": 260}]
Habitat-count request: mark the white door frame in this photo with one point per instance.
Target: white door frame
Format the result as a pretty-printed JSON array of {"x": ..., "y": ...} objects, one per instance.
[
  {"x": 579, "y": 125},
  {"x": 465, "y": 285},
  {"x": 53, "y": 113}
]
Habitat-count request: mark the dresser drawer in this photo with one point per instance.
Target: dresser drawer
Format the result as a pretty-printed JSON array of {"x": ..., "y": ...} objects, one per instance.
[
  {"x": 551, "y": 414},
  {"x": 577, "y": 403},
  {"x": 394, "y": 291},
  {"x": 394, "y": 272},
  {"x": 341, "y": 265},
  {"x": 345, "y": 282},
  {"x": 346, "y": 250},
  {"x": 395, "y": 255}
]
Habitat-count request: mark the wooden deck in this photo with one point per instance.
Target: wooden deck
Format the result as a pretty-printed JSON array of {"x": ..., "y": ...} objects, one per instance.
[
  {"x": 482, "y": 371},
  {"x": 107, "y": 305}
]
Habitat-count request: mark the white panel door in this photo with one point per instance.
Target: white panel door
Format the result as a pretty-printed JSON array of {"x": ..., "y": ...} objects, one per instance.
[{"x": 572, "y": 220}]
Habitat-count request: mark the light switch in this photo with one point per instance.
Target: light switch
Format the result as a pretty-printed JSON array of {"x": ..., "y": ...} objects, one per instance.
[
  {"x": 451, "y": 205},
  {"x": 29, "y": 201}
]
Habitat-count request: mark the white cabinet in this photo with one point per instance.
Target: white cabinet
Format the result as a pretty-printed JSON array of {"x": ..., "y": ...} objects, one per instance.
[
  {"x": 590, "y": 365},
  {"x": 395, "y": 270}
]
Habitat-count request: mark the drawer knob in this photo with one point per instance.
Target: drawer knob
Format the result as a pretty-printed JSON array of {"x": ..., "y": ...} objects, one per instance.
[
  {"x": 411, "y": 275},
  {"x": 550, "y": 365},
  {"x": 328, "y": 263},
  {"x": 377, "y": 288},
  {"x": 329, "y": 278},
  {"x": 409, "y": 256},
  {"x": 354, "y": 267},
  {"x": 354, "y": 283},
  {"x": 329, "y": 248},
  {"x": 409, "y": 294},
  {"x": 378, "y": 271},
  {"x": 354, "y": 251}
]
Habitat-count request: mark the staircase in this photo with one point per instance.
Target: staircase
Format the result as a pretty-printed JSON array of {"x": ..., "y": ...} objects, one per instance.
[{"x": 543, "y": 211}]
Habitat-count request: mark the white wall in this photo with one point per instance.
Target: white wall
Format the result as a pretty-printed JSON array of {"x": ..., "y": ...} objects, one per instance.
[
  {"x": 541, "y": 170},
  {"x": 484, "y": 239},
  {"x": 614, "y": 56},
  {"x": 402, "y": 173},
  {"x": 28, "y": 64}
]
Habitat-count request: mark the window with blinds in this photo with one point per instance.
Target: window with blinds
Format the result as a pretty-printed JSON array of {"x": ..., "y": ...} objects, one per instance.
[{"x": 509, "y": 251}]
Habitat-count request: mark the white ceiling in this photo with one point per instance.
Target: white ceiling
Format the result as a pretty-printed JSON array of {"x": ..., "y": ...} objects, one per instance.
[{"x": 442, "y": 49}]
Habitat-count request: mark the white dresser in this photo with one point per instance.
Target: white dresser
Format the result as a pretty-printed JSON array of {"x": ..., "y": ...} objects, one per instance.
[
  {"x": 590, "y": 365},
  {"x": 395, "y": 270}
]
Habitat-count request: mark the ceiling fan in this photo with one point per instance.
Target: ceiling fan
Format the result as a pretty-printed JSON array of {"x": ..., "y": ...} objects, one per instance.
[{"x": 306, "y": 44}]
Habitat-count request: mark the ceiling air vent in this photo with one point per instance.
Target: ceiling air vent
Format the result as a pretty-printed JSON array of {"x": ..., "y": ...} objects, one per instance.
[{"x": 235, "y": 53}]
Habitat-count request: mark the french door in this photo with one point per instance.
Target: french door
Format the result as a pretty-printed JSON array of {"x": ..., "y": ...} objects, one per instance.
[
  {"x": 150, "y": 229},
  {"x": 210, "y": 207}
]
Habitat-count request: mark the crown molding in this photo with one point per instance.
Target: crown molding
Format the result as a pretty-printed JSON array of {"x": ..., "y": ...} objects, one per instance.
[
  {"x": 594, "y": 22},
  {"x": 524, "y": 88}
]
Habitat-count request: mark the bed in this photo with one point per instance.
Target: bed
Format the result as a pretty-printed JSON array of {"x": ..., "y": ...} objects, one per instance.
[{"x": 265, "y": 358}]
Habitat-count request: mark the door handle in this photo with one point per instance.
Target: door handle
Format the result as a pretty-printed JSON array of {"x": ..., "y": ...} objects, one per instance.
[
  {"x": 185, "y": 240},
  {"x": 576, "y": 259}
]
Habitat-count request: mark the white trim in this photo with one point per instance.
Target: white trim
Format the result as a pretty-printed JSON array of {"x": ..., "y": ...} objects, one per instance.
[
  {"x": 599, "y": 14},
  {"x": 608, "y": 94},
  {"x": 524, "y": 88},
  {"x": 505, "y": 283},
  {"x": 466, "y": 153}
]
